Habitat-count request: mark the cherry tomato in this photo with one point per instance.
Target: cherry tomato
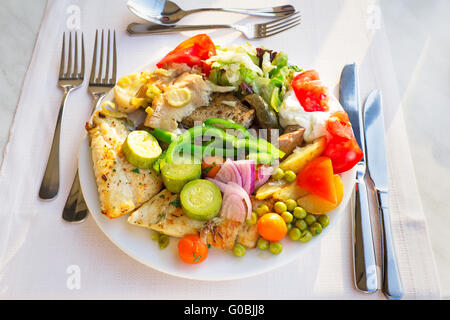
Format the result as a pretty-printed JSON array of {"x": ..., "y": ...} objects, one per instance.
[
  {"x": 272, "y": 227},
  {"x": 211, "y": 165},
  {"x": 192, "y": 51},
  {"x": 318, "y": 178},
  {"x": 311, "y": 93},
  {"x": 344, "y": 154},
  {"x": 192, "y": 250}
]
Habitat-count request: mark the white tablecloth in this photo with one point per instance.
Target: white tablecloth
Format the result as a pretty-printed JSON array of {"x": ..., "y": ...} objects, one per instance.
[{"x": 40, "y": 253}]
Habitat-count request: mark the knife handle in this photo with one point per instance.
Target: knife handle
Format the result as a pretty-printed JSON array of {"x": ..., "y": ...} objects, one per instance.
[
  {"x": 366, "y": 279},
  {"x": 392, "y": 285}
]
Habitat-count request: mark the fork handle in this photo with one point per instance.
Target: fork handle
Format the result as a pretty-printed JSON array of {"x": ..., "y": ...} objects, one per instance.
[
  {"x": 146, "y": 28},
  {"x": 50, "y": 182},
  {"x": 262, "y": 12},
  {"x": 75, "y": 209}
]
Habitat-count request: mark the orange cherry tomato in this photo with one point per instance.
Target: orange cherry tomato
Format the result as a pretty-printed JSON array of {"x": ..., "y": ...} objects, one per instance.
[
  {"x": 318, "y": 178},
  {"x": 192, "y": 250},
  {"x": 211, "y": 165},
  {"x": 272, "y": 227}
]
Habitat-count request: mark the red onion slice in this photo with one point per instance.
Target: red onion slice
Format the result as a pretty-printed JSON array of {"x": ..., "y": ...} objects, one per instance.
[
  {"x": 229, "y": 172},
  {"x": 247, "y": 171}
]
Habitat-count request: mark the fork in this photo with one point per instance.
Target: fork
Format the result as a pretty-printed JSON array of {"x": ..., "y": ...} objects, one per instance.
[
  {"x": 75, "y": 209},
  {"x": 250, "y": 30},
  {"x": 68, "y": 79}
]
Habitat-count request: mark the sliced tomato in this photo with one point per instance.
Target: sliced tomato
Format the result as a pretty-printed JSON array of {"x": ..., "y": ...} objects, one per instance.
[
  {"x": 192, "y": 51},
  {"x": 344, "y": 154},
  {"x": 318, "y": 178},
  {"x": 312, "y": 95},
  {"x": 339, "y": 126},
  {"x": 309, "y": 75}
]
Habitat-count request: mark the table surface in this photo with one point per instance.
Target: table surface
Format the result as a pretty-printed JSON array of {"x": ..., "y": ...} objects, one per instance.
[{"x": 420, "y": 46}]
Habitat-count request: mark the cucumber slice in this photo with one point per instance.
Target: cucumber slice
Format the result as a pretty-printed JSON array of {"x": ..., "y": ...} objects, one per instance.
[
  {"x": 141, "y": 149},
  {"x": 176, "y": 174},
  {"x": 201, "y": 199}
]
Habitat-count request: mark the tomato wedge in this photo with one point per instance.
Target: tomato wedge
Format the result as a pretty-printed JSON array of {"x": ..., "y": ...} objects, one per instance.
[
  {"x": 192, "y": 51},
  {"x": 310, "y": 75},
  {"x": 311, "y": 93},
  {"x": 342, "y": 148},
  {"x": 339, "y": 126},
  {"x": 344, "y": 154},
  {"x": 318, "y": 178}
]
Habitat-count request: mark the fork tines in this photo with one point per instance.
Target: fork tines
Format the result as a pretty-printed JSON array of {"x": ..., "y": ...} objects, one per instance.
[
  {"x": 98, "y": 75},
  {"x": 70, "y": 71},
  {"x": 282, "y": 24}
]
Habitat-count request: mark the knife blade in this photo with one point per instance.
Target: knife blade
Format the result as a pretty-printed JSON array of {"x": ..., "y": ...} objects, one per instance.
[
  {"x": 365, "y": 268},
  {"x": 377, "y": 165}
]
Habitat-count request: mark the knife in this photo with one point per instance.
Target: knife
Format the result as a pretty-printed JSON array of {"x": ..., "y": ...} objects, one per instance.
[
  {"x": 377, "y": 165},
  {"x": 365, "y": 267}
]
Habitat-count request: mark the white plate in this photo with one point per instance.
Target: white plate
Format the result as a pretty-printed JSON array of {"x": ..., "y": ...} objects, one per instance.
[{"x": 220, "y": 265}]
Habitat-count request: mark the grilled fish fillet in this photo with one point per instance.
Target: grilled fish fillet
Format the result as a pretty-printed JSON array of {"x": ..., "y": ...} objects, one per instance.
[
  {"x": 163, "y": 213},
  {"x": 223, "y": 234},
  {"x": 121, "y": 186},
  {"x": 167, "y": 117},
  {"x": 224, "y": 106}
]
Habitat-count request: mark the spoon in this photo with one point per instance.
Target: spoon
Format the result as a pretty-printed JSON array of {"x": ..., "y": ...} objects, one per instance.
[{"x": 167, "y": 12}]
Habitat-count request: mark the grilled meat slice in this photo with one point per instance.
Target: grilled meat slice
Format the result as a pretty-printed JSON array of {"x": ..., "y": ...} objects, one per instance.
[
  {"x": 224, "y": 106},
  {"x": 287, "y": 142}
]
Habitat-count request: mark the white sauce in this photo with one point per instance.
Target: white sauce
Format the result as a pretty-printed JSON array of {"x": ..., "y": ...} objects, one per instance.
[{"x": 292, "y": 113}]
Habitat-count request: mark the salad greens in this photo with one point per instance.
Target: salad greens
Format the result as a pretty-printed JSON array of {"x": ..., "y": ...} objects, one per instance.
[{"x": 253, "y": 70}]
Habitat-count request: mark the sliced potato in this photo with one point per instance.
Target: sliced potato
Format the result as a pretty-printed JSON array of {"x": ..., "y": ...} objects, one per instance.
[
  {"x": 317, "y": 205},
  {"x": 290, "y": 191},
  {"x": 300, "y": 157},
  {"x": 269, "y": 188}
]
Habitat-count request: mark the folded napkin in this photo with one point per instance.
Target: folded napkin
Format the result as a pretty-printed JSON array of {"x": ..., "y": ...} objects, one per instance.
[{"x": 40, "y": 254}]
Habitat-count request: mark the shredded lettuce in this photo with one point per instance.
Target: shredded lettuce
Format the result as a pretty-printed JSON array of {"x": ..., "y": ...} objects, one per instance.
[{"x": 251, "y": 69}]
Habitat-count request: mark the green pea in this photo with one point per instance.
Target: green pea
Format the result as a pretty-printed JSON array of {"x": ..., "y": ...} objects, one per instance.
[
  {"x": 301, "y": 224},
  {"x": 324, "y": 220},
  {"x": 262, "y": 244},
  {"x": 291, "y": 204},
  {"x": 163, "y": 241},
  {"x": 239, "y": 250},
  {"x": 299, "y": 213},
  {"x": 275, "y": 247},
  {"x": 306, "y": 236},
  {"x": 295, "y": 234},
  {"x": 316, "y": 229},
  {"x": 310, "y": 219},
  {"x": 155, "y": 236},
  {"x": 287, "y": 217},
  {"x": 280, "y": 207},
  {"x": 252, "y": 221},
  {"x": 290, "y": 176},
  {"x": 278, "y": 174},
  {"x": 262, "y": 210}
]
